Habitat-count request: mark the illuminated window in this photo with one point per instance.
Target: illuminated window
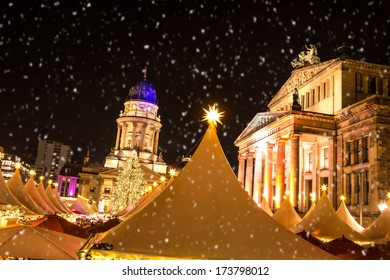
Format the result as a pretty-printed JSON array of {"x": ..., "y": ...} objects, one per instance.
[
  {"x": 348, "y": 192},
  {"x": 107, "y": 190},
  {"x": 309, "y": 167},
  {"x": 92, "y": 189},
  {"x": 326, "y": 158}
]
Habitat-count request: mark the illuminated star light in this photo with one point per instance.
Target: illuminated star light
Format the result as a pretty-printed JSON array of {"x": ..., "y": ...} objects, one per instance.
[
  {"x": 213, "y": 115},
  {"x": 343, "y": 197}
]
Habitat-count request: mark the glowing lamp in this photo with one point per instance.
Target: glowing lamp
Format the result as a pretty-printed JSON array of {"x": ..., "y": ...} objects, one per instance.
[
  {"x": 343, "y": 197},
  {"x": 41, "y": 178},
  {"x": 50, "y": 182},
  {"x": 213, "y": 115},
  {"x": 32, "y": 173},
  {"x": 172, "y": 172},
  {"x": 155, "y": 184},
  {"x": 162, "y": 178},
  {"x": 17, "y": 165},
  {"x": 382, "y": 206},
  {"x": 324, "y": 187},
  {"x": 313, "y": 197},
  {"x": 388, "y": 195}
]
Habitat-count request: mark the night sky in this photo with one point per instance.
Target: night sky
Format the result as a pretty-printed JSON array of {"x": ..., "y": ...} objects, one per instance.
[{"x": 66, "y": 66}]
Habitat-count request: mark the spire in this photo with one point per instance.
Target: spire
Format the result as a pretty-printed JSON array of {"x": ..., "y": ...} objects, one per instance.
[
  {"x": 86, "y": 158},
  {"x": 145, "y": 71}
]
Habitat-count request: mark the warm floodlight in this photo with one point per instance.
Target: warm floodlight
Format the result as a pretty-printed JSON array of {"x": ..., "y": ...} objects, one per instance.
[
  {"x": 382, "y": 206},
  {"x": 213, "y": 115}
]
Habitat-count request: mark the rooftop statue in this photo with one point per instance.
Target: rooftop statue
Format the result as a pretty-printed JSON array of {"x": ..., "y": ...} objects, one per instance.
[{"x": 306, "y": 57}]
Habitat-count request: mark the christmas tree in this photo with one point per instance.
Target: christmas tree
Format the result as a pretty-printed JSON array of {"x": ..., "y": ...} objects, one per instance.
[{"x": 129, "y": 185}]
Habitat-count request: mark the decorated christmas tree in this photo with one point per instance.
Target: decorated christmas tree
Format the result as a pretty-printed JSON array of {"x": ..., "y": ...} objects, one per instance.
[{"x": 129, "y": 186}]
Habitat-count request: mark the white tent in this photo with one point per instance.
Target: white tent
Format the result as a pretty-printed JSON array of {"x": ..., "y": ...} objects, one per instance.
[
  {"x": 52, "y": 195},
  {"x": 16, "y": 186},
  {"x": 347, "y": 218},
  {"x": 205, "y": 214},
  {"x": 83, "y": 206},
  {"x": 286, "y": 214},
  {"x": 264, "y": 205},
  {"x": 323, "y": 222},
  {"x": 42, "y": 193},
  {"x": 380, "y": 227},
  {"x": 38, "y": 243},
  {"x": 32, "y": 190}
]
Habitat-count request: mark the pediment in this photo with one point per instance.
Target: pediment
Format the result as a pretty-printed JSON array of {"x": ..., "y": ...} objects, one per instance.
[
  {"x": 300, "y": 77},
  {"x": 260, "y": 120}
]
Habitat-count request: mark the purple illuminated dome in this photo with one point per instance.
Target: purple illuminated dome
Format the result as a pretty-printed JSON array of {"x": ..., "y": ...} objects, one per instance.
[{"x": 143, "y": 91}]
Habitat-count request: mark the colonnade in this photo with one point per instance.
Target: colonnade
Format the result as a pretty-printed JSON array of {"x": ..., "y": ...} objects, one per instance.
[
  {"x": 266, "y": 171},
  {"x": 137, "y": 136},
  {"x": 256, "y": 171}
]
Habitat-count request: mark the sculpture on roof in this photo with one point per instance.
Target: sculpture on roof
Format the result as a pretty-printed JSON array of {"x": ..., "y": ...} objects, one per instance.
[{"x": 307, "y": 57}]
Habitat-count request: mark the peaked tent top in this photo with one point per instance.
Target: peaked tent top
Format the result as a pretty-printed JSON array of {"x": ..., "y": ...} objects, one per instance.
[
  {"x": 205, "y": 214},
  {"x": 286, "y": 214},
  {"x": 347, "y": 218},
  {"x": 323, "y": 222}
]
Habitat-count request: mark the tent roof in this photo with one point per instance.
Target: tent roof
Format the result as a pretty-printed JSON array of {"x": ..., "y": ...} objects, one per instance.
[
  {"x": 286, "y": 214},
  {"x": 380, "y": 227},
  {"x": 42, "y": 193},
  {"x": 82, "y": 206},
  {"x": 264, "y": 205},
  {"x": 347, "y": 218},
  {"x": 38, "y": 243},
  {"x": 57, "y": 223},
  {"x": 206, "y": 214},
  {"x": 16, "y": 186},
  {"x": 6, "y": 196},
  {"x": 323, "y": 222},
  {"x": 32, "y": 190}
]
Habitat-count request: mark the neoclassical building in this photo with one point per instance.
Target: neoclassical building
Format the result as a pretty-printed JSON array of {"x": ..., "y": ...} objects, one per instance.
[
  {"x": 138, "y": 129},
  {"x": 329, "y": 124}
]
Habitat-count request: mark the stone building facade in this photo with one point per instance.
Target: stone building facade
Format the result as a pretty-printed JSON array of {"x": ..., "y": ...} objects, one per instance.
[{"x": 329, "y": 124}]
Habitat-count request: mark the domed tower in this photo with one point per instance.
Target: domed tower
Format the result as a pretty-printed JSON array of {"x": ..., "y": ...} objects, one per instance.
[{"x": 138, "y": 128}]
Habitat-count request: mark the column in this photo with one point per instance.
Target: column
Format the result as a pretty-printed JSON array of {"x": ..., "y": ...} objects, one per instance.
[
  {"x": 268, "y": 174},
  {"x": 258, "y": 176},
  {"x": 155, "y": 144},
  {"x": 332, "y": 189},
  {"x": 124, "y": 133},
  {"x": 241, "y": 169},
  {"x": 118, "y": 135},
  {"x": 280, "y": 189},
  {"x": 133, "y": 136},
  {"x": 249, "y": 173},
  {"x": 294, "y": 170}
]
